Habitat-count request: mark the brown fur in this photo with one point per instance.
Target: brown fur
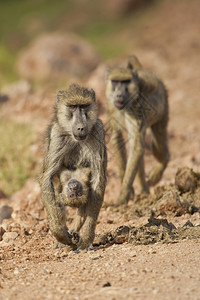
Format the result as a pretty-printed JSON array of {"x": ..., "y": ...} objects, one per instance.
[
  {"x": 68, "y": 149},
  {"x": 133, "y": 105}
]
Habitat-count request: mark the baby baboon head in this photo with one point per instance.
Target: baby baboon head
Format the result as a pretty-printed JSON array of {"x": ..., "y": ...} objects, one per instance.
[
  {"x": 76, "y": 111},
  {"x": 122, "y": 87}
]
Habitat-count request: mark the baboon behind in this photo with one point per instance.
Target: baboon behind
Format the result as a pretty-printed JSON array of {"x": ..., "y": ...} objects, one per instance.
[
  {"x": 137, "y": 99},
  {"x": 75, "y": 147}
]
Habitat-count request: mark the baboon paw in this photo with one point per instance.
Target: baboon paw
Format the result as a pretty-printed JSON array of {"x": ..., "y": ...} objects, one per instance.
[
  {"x": 122, "y": 200},
  {"x": 75, "y": 238},
  {"x": 85, "y": 247},
  {"x": 131, "y": 194},
  {"x": 153, "y": 180}
]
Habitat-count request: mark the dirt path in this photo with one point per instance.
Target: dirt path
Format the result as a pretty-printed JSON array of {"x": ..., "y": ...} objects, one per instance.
[
  {"x": 31, "y": 267},
  {"x": 160, "y": 271}
]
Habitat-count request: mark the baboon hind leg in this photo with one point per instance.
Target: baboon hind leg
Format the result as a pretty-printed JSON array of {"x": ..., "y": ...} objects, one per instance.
[
  {"x": 143, "y": 186},
  {"x": 160, "y": 151}
]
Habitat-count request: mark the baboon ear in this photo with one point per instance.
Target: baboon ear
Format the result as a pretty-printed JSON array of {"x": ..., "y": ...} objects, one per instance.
[
  {"x": 59, "y": 95},
  {"x": 129, "y": 65},
  {"x": 106, "y": 74},
  {"x": 93, "y": 95},
  {"x": 135, "y": 75}
]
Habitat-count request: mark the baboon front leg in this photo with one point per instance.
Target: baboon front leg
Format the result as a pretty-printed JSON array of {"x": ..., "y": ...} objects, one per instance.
[
  {"x": 160, "y": 151},
  {"x": 120, "y": 151},
  {"x": 143, "y": 186},
  {"x": 56, "y": 213},
  {"x": 92, "y": 211},
  {"x": 136, "y": 151},
  {"x": 120, "y": 154}
]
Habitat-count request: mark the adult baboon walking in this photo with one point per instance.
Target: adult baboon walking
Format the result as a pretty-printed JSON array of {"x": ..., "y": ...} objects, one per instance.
[
  {"x": 75, "y": 142},
  {"x": 137, "y": 99}
]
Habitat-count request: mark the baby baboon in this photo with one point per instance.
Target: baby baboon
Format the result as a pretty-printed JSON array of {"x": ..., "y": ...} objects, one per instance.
[
  {"x": 75, "y": 187},
  {"x": 137, "y": 99},
  {"x": 76, "y": 145}
]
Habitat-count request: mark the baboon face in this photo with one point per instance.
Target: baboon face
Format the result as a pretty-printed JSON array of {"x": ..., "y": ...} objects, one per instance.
[
  {"x": 79, "y": 121},
  {"x": 73, "y": 188},
  {"x": 122, "y": 87},
  {"x": 77, "y": 111}
]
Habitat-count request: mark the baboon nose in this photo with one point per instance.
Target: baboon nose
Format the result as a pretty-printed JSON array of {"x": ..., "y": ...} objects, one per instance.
[
  {"x": 80, "y": 129},
  {"x": 73, "y": 186}
]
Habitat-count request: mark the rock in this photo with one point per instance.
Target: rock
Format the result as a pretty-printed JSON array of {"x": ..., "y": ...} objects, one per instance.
[
  {"x": 16, "y": 272},
  {"x": 9, "y": 236},
  {"x": 117, "y": 8},
  {"x": 3, "y": 99},
  {"x": 185, "y": 180},
  {"x": 2, "y": 195},
  {"x": 57, "y": 55},
  {"x": 17, "y": 88},
  {"x": 95, "y": 256},
  {"x": 188, "y": 223},
  {"x": 152, "y": 221},
  {"x": 5, "y": 212},
  {"x": 28, "y": 199},
  {"x": 107, "y": 284},
  {"x": 2, "y": 231},
  {"x": 170, "y": 203},
  {"x": 121, "y": 234}
]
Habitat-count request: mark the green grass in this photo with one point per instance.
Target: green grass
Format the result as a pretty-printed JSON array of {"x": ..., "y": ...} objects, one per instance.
[
  {"x": 23, "y": 20},
  {"x": 20, "y": 22},
  {"x": 16, "y": 160},
  {"x": 7, "y": 60},
  {"x": 102, "y": 34}
]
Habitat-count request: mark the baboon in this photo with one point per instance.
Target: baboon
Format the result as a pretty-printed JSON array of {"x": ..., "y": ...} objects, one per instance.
[
  {"x": 75, "y": 144},
  {"x": 137, "y": 99},
  {"x": 75, "y": 187}
]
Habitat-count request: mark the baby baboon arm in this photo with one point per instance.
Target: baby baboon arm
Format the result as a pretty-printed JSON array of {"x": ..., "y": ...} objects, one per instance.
[
  {"x": 79, "y": 219},
  {"x": 73, "y": 202}
]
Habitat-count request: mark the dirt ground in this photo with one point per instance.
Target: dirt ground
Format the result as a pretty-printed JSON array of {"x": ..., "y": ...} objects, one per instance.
[{"x": 149, "y": 249}]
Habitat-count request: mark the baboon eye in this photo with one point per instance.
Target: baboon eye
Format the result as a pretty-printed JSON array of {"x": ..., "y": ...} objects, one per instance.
[
  {"x": 84, "y": 106},
  {"x": 114, "y": 83},
  {"x": 127, "y": 81},
  {"x": 72, "y": 107}
]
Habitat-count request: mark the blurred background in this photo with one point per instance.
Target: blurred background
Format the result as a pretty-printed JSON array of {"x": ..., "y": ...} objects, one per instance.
[{"x": 45, "y": 45}]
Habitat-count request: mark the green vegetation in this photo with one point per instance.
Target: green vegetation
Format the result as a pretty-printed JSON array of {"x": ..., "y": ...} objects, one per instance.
[
  {"x": 21, "y": 21},
  {"x": 16, "y": 160}
]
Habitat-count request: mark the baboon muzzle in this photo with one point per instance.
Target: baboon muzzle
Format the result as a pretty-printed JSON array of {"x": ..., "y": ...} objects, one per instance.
[
  {"x": 80, "y": 127},
  {"x": 120, "y": 96},
  {"x": 120, "y": 103}
]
